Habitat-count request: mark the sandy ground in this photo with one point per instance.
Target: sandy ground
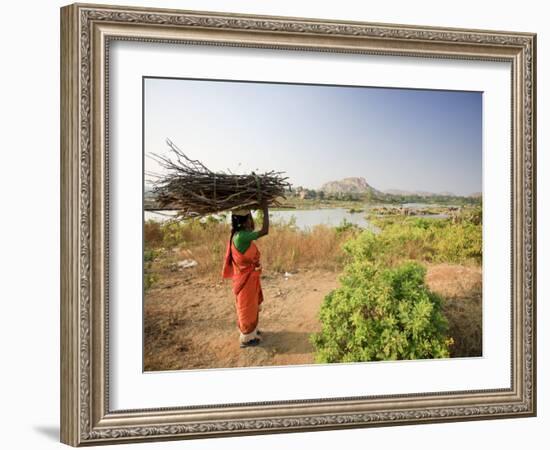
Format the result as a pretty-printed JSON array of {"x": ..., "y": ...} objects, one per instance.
[
  {"x": 190, "y": 322},
  {"x": 461, "y": 288}
]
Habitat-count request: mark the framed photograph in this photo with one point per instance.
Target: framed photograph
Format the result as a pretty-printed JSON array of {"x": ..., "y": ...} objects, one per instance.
[{"x": 274, "y": 224}]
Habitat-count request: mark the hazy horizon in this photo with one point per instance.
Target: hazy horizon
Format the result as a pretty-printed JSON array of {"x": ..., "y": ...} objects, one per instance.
[
  {"x": 396, "y": 139},
  {"x": 149, "y": 185}
]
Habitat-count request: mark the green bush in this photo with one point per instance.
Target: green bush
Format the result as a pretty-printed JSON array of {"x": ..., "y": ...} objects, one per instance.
[
  {"x": 149, "y": 278},
  {"x": 459, "y": 243},
  {"x": 173, "y": 233},
  {"x": 381, "y": 313},
  {"x": 346, "y": 225},
  {"x": 423, "y": 239},
  {"x": 383, "y": 309}
]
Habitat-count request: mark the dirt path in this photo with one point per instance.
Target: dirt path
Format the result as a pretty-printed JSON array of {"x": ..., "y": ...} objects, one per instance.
[{"x": 190, "y": 322}]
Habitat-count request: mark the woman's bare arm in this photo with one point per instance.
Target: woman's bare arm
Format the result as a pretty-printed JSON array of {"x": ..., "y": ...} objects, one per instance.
[{"x": 265, "y": 225}]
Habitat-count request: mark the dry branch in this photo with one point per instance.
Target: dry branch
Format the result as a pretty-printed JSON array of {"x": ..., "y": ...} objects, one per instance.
[{"x": 194, "y": 190}]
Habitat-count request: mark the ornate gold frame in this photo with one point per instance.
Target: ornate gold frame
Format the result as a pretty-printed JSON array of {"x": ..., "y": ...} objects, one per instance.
[{"x": 86, "y": 31}]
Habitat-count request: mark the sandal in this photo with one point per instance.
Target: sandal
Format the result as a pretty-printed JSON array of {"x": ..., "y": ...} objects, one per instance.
[{"x": 251, "y": 343}]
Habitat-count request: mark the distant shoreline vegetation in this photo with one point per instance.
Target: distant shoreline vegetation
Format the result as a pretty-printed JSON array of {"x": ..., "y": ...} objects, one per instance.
[
  {"x": 357, "y": 189},
  {"x": 350, "y": 193}
]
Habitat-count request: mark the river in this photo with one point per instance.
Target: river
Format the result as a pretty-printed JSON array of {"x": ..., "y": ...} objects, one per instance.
[{"x": 303, "y": 218}]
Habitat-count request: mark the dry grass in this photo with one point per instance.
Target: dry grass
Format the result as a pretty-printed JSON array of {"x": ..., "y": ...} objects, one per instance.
[
  {"x": 461, "y": 287},
  {"x": 284, "y": 249},
  {"x": 287, "y": 249}
]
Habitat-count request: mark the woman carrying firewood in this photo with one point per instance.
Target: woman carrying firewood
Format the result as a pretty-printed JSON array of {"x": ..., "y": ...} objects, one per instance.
[{"x": 242, "y": 265}]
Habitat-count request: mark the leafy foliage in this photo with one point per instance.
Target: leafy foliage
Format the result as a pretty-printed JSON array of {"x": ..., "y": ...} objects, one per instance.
[
  {"x": 346, "y": 225},
  {"x": 149, "y": 278},
  {"x": 381, "y": 314},
  {"x": 457, "y": 240}
]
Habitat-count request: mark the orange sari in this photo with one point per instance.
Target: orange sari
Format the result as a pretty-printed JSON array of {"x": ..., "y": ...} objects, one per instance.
[{"x": 244, "y": 269}]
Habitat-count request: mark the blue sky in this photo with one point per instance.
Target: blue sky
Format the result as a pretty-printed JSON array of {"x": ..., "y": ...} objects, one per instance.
[{"x": 395, "y": 138}]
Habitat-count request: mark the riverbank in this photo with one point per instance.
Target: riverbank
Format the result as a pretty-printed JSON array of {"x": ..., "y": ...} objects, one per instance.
[
  {"x": 189, "y": 312},
  {"x": 297, "y": 203}
]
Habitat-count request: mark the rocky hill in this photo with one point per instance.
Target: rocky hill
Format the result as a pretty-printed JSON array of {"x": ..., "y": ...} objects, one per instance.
[
  {"x": 352, "y": 185},
  {"x": 358, "y": 186}
]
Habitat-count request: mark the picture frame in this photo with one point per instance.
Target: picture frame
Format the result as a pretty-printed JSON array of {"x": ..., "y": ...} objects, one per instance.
[{"x": 87, "y": 32}]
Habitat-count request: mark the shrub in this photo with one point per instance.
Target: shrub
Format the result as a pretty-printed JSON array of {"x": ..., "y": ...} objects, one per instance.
[
  {"x": 424, "y": 239},
  {"x": 460, "y": 243},
  {"x": 149, "y": 278},
  {"x": 172, "y": 233},
  {"x": 381, "y": 313},
  {"x": 346, "y": 225}
]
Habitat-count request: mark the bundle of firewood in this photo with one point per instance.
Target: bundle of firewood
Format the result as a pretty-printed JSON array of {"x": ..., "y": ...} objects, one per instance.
[{"x": 193, "y": 190}]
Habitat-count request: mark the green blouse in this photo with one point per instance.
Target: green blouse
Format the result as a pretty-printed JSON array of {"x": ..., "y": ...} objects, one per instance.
[{"x": 242, "y": 239}]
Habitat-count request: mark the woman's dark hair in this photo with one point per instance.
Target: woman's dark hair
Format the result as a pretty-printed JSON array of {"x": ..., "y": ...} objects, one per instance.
[{"x": 237, "y": 224}]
